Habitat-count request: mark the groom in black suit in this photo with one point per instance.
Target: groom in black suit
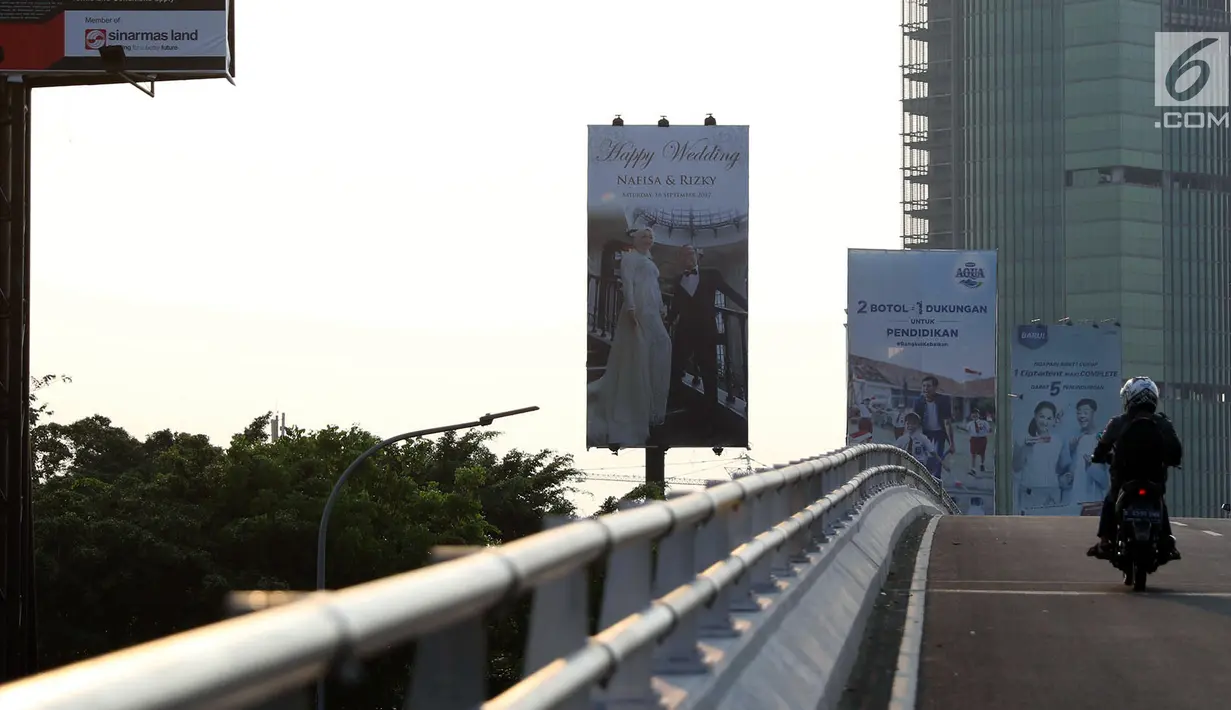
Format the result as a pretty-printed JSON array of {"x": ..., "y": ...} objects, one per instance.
[{"x": 692, "y": 314}]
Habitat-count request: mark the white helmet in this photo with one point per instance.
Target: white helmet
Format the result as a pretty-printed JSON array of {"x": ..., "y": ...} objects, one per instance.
[{"x": 1138, "y": 391}]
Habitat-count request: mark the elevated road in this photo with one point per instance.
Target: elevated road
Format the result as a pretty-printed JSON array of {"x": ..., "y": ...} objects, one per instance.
[{"x": 1017, "y": 617}]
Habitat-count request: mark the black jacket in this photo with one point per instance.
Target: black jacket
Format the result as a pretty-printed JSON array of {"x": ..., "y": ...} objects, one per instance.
[{"x": 1173, "y": 454}]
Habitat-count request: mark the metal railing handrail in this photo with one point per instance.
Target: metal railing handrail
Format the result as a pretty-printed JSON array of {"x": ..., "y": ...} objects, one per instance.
[
  {"x": 242, "y": 661},
  {"x": 557, "y": 683}
]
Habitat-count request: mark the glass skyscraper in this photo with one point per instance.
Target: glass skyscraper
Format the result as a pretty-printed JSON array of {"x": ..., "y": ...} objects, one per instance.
[{"x": 1029, "y": 127}]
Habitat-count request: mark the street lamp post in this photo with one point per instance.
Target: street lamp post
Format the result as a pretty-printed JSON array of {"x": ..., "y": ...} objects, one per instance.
[{"x": 484, "y": 420}]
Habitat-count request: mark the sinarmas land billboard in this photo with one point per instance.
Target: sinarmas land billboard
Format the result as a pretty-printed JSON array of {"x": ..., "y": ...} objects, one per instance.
[
  {"x": 667, "y": 340},
  {"x": 159, "y": 37}
]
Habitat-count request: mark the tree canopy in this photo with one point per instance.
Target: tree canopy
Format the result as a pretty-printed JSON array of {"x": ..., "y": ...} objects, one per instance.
[
  {"x": 639, "y": 494},
  {"x": 136, "y": 539}
]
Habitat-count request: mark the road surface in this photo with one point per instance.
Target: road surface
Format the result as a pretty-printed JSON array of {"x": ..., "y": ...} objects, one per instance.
[{"x": 1018, "y": 617}]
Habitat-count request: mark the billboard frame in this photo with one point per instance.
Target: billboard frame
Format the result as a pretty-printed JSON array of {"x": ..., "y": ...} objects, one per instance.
[
  {"x": 1011, "y": 395},
  {"x": 116, "y": 73},
  {"x": 656, "y": 455},
  {"x": 18, "y": 596},
  {"x": 998, "y": 393}
]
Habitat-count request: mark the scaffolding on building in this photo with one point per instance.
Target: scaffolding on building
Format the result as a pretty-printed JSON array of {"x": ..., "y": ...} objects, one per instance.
[{"x": 929, "y": 78}]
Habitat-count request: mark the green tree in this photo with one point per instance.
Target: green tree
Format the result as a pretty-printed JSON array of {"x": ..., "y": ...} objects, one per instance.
[
  {"x": 140, "y": 539},
  {"x": 39, "y": 436},
  {"x": 643, "y": 492}
]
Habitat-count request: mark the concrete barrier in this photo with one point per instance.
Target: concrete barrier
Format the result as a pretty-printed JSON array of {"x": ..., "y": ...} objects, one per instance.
[{"x": 798, "y": 653}]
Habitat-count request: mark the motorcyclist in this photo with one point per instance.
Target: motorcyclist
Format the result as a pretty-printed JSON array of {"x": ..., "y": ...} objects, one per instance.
[{"x": 1140, "y": 399}]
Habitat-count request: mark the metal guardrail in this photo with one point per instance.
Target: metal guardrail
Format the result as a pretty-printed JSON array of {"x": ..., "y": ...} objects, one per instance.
[{"x": 717, "y": 549}]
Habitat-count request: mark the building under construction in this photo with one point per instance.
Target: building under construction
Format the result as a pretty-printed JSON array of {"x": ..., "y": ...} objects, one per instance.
[{"x": 1030, "y": 127}]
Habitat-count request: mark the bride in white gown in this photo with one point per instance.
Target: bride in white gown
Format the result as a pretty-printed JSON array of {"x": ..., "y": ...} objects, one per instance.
[{"x": 631, "y": 396}]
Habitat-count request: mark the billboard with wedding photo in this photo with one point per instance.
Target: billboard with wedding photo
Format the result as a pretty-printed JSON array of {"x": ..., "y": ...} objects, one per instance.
[
  {"x": 921, "y": 363},
  {"x": 1065, "y": 387},
  {"x": 667, "y": 329}
]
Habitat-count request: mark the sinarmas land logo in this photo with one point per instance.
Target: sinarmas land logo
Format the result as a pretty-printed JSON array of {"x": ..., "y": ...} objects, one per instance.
[
  {"x": 95, "y": 38},
  {"x": 1191, "y": 69}
]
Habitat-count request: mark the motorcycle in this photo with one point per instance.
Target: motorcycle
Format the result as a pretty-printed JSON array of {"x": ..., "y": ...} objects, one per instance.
[{"x": 1138, "y": 549}]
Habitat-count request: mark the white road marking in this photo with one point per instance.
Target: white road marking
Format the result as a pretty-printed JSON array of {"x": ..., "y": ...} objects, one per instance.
[
  {"x": 1211, "y": 532},
  {"x": 906, "y": 676},
  {"x": 1176, "y": 522},
  {"x": 1031, "y": 582},
  {"x": 1058, "y": 593}
]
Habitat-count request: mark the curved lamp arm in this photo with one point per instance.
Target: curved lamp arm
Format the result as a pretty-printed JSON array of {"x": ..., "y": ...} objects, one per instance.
[{"x": 321, "y": 532}]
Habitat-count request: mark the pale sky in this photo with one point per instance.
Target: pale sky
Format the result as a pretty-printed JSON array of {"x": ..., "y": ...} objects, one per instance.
[{"x": 383, "y": 223}]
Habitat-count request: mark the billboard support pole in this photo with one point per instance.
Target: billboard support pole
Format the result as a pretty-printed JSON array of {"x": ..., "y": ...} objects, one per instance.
[
  {"x": 18, "y": 640},
  {"x": 656, "y": 467},
  {"x": 18, "y": 599}
]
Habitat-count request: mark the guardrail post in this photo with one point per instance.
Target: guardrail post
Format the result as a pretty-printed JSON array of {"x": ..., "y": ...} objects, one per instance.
[
  {"x": 240, "y": 603},
  {"x": 837, "y": 521},
  {"x": 781, "y": 501},
  {"x": 850, "y": 470},
  {"x": 832, "y": 521},
  {"x": 809, "y": 492},
  {"x": 713, "y": 546},
  {"x": 854, "y": 501},
  {"x": 559, "y": 621},
  {"x": 450, "y": 671},
  {"x": 677, "y": 566},
  {"x": 627, "y": 589},
  {"x": 842, "y": 515},
  {"x": 739, "y": 532},
  {"x": 868, "y": 490},
  {"x": 799, "y": 546},
  {"x": 819, "y": 529},
  {"x": 762, "y": 520}
]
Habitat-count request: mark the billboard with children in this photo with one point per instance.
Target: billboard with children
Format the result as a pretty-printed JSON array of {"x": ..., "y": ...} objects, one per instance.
[
  {"x": 1066, "y": 385},
  {"x": 921, "y": 362}
]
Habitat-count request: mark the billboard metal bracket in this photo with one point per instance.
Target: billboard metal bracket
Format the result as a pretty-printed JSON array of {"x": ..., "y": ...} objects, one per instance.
[
  {"x": 114, "y": 58},
  {"x": 134, "y": 80}
]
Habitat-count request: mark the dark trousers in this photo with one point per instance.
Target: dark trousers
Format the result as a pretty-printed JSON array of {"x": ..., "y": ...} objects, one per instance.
[
  {"x": 939, "y": 439},
  {"x": 1107, "y": 520},
  {"x": 693, "y": 339}
]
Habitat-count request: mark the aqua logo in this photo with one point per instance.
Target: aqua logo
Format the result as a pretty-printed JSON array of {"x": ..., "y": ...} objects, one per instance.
[{"x": 970, "y": 275}]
